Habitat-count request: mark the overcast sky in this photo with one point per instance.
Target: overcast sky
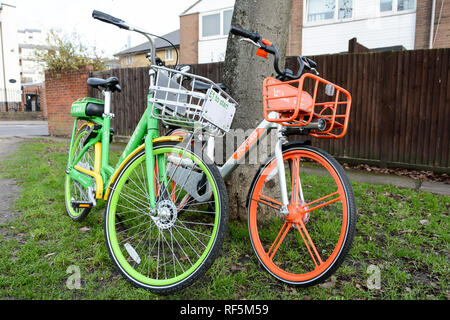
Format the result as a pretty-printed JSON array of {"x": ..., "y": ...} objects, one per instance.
[{"x": 156, "y": 16}]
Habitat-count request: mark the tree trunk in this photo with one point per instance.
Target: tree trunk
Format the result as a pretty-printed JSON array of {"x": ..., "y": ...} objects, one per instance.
[{"x": 244, "y": 73}]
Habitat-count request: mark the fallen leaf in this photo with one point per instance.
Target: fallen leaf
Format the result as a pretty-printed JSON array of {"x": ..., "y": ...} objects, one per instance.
[
  {"x": 329, "y": 284},
  {"x": 405, "y": 231},
  {"x": 424, "y": 222},
  {"x": 49, "y": 255},
  {"x": 85, "y": 229}
]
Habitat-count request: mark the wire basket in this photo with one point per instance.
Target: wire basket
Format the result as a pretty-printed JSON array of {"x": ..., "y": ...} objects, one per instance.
[
  {"x": 179, "y": 102},
  {"x": 308, "y": 102}
]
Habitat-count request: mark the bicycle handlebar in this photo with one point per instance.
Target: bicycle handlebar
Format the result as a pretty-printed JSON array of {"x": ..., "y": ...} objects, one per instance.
[
  {"x": 268, "y": 47},
  {"x": 110, "y": 19},
  {"x": 255, "y": 36}
]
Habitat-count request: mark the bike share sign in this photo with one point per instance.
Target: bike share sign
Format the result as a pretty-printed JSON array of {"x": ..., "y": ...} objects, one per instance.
[{"x": 218, "y": 110}]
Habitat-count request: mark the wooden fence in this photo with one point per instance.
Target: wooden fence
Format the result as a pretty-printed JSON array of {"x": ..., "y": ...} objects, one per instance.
[{"x": 400, "y": 113}]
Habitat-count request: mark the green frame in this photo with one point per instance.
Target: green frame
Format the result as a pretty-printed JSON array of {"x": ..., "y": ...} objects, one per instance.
[{"x": 148, "y": 128}]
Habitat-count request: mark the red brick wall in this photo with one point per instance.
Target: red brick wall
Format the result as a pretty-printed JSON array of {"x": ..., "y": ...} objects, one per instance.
[
  {"x": 423, "y": 20},
  {"x": 61, "y": 91},
  {"x": 295, "y": 30},
  {"x": 189, "y": 39}
]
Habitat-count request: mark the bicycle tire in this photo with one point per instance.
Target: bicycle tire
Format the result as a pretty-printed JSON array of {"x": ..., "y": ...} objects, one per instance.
[
  {"x": 282, "y": 252},
  {"x": 134, "y": 267},
  {"x": 70, "y": 185}
]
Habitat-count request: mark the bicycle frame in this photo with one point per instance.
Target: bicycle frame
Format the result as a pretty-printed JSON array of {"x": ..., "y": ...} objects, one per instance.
[
  {"x": 103, "y": 173},
  {"x": 261, "y": 131}
]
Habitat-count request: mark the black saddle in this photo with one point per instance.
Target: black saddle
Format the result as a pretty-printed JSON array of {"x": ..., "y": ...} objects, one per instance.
[
  {"x": 110, "y": 84},
  {"x": 95, "y": 109},
  {"x": 200, "y": 85}
]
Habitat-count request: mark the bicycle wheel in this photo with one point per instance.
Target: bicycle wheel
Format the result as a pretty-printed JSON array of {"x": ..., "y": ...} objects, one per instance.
[
  {"x": 74, "y": 191},
  {"x": 169, "y": 249},
  {"x": 308, "y": 245}
]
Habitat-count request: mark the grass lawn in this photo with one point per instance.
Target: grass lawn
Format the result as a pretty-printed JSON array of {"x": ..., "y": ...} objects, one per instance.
[{"x": 402, "y": 232}]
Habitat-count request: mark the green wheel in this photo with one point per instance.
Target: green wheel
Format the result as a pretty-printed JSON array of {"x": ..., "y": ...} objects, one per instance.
[
  {"x": 73, "y": 191},
  {"x": 166, "y": 249}
]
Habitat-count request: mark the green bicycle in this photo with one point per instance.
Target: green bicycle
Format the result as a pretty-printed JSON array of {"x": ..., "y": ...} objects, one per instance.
[{"x": 166, "y": 203}]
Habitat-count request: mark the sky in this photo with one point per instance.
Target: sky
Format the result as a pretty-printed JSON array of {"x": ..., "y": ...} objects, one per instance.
[{"x": 155, "y": 16}]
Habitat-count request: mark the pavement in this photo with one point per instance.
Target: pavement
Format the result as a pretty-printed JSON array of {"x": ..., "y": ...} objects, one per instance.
[
  {"x": 398, "y": 181},
  {"x": 12, "y": 133},
  {"x": 23, "y": 128}
]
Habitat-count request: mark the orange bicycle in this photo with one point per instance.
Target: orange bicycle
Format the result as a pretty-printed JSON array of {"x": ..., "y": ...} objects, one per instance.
[{"x": 301, "y": 206}]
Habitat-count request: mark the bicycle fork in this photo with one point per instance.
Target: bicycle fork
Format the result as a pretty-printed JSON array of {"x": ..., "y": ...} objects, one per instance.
[{"x": 281, "y": 172}]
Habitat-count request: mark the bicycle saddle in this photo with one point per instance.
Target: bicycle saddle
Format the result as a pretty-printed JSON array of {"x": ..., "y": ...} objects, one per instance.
[
  {"x": 200, "y": 85},
  {"x": 110, "y": 84}
]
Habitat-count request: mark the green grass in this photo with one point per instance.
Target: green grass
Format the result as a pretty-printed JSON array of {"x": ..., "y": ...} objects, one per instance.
[{"x": 403, "y": 232}]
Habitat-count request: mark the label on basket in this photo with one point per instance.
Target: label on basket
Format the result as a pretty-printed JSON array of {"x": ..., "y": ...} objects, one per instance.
[{"x": 218, "y": 110}]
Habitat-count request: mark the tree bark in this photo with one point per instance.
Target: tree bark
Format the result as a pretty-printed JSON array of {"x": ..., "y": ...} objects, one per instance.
[{"x": 244, "y": 73}]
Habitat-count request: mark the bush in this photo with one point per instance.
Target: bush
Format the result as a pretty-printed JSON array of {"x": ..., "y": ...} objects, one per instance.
[{"x": 68, "y": 53}]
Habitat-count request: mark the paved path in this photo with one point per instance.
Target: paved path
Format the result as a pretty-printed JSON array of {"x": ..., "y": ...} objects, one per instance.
[
  {"x": 9, "y": 191},
  {"x": 399, "y": 181},
  {"x": 12, "y": 133},
  {"x": 23, "y": 128}
]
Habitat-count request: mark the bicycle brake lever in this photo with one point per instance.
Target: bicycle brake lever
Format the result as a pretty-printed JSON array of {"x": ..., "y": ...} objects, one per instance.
[
  {"x": 315, "y": 71},
  {"x": 250, "y": 41}
]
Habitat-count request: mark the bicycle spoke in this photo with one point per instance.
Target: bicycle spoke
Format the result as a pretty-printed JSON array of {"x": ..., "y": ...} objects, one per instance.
[
  {"x": 308, "y": 205},
  {"x": 268, "y": 201},
  {"x": 279, "y": 239},
  {"x": 309, "y": 243},
  {"x": 295, "y": 177}
]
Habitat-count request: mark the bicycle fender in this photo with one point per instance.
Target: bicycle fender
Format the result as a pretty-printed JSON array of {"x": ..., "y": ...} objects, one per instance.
[{"x": 269, "y": 159}]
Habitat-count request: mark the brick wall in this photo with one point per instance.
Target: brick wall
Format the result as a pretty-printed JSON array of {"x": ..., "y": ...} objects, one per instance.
[
  {"x": 423, "y": 20},
  {"x": 443, "y": 31},
  {"x": 61, "y": 91},
  {"x": 189, "y": 25},
  {"x": 295, "y": 30}
]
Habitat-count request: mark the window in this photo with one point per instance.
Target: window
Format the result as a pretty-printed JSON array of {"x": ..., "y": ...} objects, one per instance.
[
  {"x": 319, "y": 10},
  {"x": 227, "y": 15},
  {"x": 385, "y": 5},
  {"x": 129, "y": 60},
  {"x": 169, "y": 54},
  {"x": 211, "y": 25},
  {"x": 345, "y": 9},
  {"x": 323, "y": 10},
  {"x": 216, "y": 24},
  {"x": 397, "y": 5},
  {"x": 406, "y": 5}
]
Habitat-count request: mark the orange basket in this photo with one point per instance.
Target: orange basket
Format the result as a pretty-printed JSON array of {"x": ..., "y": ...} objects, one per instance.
[{"x": 290, "y": 104}]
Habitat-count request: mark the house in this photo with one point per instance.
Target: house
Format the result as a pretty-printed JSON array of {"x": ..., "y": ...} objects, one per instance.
[
  {"x": 30, "y": 42},
  {"x": 136, "y": 56},
  {"x": 10, "y": 94},
  {"x": 324, "y": 26}
]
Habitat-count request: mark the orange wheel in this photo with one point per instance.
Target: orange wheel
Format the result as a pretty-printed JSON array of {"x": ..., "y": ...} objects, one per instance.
[{"x": 309, "y": 244}]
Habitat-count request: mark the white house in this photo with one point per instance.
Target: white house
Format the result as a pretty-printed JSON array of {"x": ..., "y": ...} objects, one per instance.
[
  {"x": 31, "y": 41},
  {"x": 9, "y": 57},
  {"x": 214, "y": 20},
  {"x": 329, "y": 24},
  {"x": 317, "y": 26}
]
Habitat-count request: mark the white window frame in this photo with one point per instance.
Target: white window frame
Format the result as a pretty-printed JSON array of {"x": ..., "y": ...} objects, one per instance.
[
  {"x": 129, "y": 60},
  {"x": 395, "y": 8},
  {"x": 328, "y": 21},
  {"x": 168, "y": 54},
  {"x": 200, "y": 24}
]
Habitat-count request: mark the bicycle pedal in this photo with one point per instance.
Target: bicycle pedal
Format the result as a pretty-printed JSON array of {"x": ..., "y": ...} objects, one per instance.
[{"x": 81, "y": 204}]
